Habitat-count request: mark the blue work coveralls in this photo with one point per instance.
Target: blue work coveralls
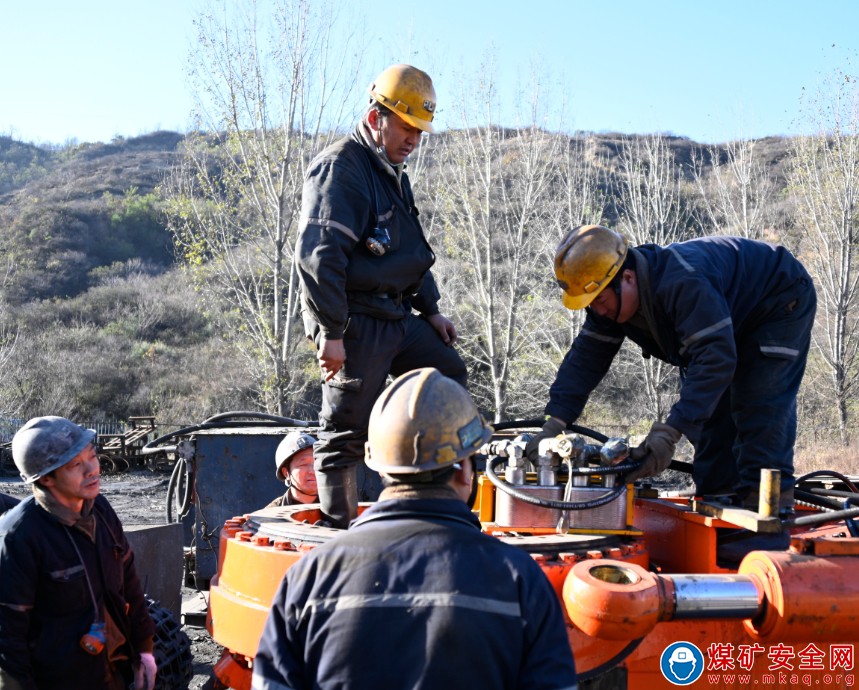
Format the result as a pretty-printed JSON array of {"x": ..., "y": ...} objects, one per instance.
[
  {"x": 415, "y": 596},
  {"x": 367, "y": 300},
  {"x": 735, "y": 315}
]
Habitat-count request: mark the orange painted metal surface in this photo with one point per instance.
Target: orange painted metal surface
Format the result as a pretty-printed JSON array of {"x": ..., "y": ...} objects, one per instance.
[
  {"x": 615, "y": 601},
  {"x": 813, "y": 596},
  {"x": 808, "y": 597},
  {"x": 241, "y": 593}
]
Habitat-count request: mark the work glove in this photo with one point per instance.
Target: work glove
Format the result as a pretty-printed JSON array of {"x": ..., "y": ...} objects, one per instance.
[
  {"x": 656, "y": 451},
  {"x": 144, "y": 672},
  {"x": 552, "y": 427}
]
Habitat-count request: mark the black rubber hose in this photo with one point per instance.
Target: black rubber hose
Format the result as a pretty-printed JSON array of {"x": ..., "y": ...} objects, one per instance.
[
  {"x": 171, "y": 488},
  {"x": 829, "y": 473},
  {"x": 822, "y": 518},
  {"x": 223, "y": 421},
  {"x": 816, "y": 500},
  {"x": 286, "y": 421},
  {"x": 550, "y": 502},
  {"x": 538, "y": 423},
  {"x": 847, "y": 496},
  {"x": 611, "y": 663},
  {"x": 180, "y": 476}
]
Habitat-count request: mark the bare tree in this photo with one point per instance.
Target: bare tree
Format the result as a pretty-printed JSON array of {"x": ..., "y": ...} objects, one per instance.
[
  {"x": 825, "y": 182},
  {"x": 268, "y": 101},
  {"x": 579, "y": 198},
  {"x": 736, "y": 189},
  {"x": 500, "y": 201}
]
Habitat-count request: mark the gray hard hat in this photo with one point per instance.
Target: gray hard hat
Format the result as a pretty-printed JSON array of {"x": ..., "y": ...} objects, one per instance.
[
  {"x": 293, "y": 442},
  {"x": 45, "y": 443}
]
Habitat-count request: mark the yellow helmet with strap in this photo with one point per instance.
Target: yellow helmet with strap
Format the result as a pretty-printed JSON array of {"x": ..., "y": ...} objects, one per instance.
[
  {"x": 586, "y": 260},
  {"x": 408, "y": 92}
]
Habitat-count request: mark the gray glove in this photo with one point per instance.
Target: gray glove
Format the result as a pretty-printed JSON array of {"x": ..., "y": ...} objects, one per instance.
[
  {"x": 656, "y": 451},
  {"x": 552, "y": 427}
]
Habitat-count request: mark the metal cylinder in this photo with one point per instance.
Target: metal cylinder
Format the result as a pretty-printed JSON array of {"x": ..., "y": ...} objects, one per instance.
[
  {"x": 770, "y": 489},
  {"x": 546, "y": 476},
  {"x": 709, "y": 596},
  {"x": 806, "y": 596},
  {"x": 514, "y": 475}
]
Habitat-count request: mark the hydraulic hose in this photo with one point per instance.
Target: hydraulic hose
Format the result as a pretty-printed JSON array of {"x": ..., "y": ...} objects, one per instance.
[
  {"x": 182, "y": 474},
  {"x": 606, "y": 666},
  {"x": 550, "y": 502},
  {"x": 829, "y": 473},
  {"x": 525, "y": 423},
  {"x": 223, "y": 420}
]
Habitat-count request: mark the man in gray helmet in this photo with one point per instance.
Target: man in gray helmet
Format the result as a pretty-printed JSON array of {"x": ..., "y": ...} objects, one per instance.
[
  {"x": 73, "y": 615},
  {"x": 293, "y": 464},
  {"x": 414, "y": 595}
]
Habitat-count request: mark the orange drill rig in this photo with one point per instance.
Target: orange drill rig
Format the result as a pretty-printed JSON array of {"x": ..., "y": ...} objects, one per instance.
[{"x": 648, "y": 603}]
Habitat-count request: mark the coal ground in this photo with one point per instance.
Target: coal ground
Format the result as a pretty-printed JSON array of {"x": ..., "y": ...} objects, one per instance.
[{"x": 139, "y": 498}]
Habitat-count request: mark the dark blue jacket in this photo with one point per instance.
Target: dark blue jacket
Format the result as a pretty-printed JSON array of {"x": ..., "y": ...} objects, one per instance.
[
  {"x": 415, "y": 596},
  {"x": 349, "y": 191},
  {"x": 697, "y": 300},
  {"x": 45, "y": 602}
]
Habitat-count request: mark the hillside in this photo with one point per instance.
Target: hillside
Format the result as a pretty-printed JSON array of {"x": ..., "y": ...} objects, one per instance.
[
  {"x": 97, "y": 320},
  {"x": 67, "y": 212}
]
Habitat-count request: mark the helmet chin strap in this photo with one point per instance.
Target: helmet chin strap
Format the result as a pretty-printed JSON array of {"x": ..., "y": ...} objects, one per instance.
[{"x": 377, "y": 140}]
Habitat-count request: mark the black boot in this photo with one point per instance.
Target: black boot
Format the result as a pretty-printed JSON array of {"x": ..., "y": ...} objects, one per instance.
[{"x": 338, "y": 494}]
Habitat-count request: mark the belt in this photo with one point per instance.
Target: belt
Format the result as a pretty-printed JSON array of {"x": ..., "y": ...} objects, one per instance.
[{"x": 396, "y": 296}]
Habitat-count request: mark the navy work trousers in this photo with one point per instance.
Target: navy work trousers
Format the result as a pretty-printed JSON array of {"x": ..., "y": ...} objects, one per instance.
[
  {"x": 374, "y": 348},
  {"x": 754, "y": 424}
]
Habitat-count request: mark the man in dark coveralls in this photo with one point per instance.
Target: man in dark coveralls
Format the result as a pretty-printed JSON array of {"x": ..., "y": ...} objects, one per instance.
[
  {"x": 735, "y": 315},
  {"x": 73, "y": 615},
  {"x": 364, "y": 268},
  {"x": 414, "y": 595}
]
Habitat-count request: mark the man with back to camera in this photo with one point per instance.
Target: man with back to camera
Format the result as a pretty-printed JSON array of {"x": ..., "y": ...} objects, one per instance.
[
  {"x": 734, "y": 314},
  {"x": 414, "y": 595},
  {"x": 73, "y": 615},
  {"x": 293, "y": 462},
  {"x": 364, "y": 266}
]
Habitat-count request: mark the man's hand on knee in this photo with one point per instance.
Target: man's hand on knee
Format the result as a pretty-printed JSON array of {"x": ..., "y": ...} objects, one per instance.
[{"x": 444, "y": 327}]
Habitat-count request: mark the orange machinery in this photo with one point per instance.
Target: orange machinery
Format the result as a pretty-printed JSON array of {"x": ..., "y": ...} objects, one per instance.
[{"x": 647, "y": 603}]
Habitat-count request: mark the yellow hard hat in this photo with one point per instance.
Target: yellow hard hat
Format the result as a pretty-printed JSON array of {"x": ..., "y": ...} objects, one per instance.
[
  {"x": 408, "y": 92},
  {"x": 586, "y": 260},
  {"x": 423, "y": 421}
]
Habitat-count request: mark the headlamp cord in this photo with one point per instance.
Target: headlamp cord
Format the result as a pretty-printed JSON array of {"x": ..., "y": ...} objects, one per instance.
[{"x": 93, "y": 641}]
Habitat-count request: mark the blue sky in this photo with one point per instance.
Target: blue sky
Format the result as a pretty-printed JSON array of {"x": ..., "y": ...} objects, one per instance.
[{"x": 711, "y": 71}]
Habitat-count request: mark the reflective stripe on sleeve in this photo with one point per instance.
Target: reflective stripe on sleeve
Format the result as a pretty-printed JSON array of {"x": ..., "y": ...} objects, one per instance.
[
  {"x": 777, "y": 350},
  {"x": 599, "y": 336},
  {"x": 327, "y": 223},
  {"x": 685, "y": 264},
  {"x": 415, "y": 600},
  {"x": 704, "y": 332}
]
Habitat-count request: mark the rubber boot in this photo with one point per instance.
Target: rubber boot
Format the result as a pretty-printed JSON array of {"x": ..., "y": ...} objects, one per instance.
[{"x": 338, "y": 494}]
